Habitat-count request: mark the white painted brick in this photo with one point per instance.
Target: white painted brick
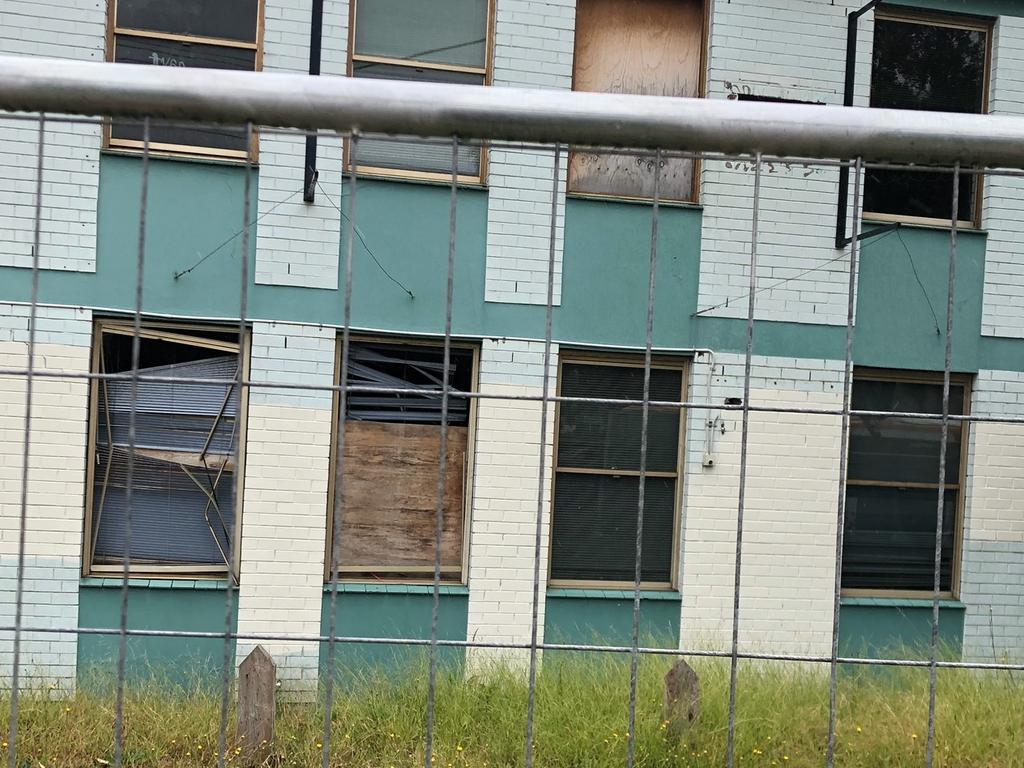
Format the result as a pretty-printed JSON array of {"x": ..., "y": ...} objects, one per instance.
[
  {"x": 297, "y": 243},
  {"x": 504, "y": 520},
  {"x": 1003, "y": 209},
  {"x": 992, "y": 565},
  {"x": 57, "y": 464},
  {"x": 789, "y": 515},
  {"x": 761, "y": 48},
  {"x": 533, "y": 47},
  {"x": 75, "y": 29}
]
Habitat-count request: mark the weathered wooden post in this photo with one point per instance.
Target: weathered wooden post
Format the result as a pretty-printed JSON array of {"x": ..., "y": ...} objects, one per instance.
[
  {"x": 682, "y": 698},
  {"x": 257, "y": 678}
]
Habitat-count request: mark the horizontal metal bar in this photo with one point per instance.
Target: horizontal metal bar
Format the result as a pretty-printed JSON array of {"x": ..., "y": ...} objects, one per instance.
[
  {"x": 679, "y": 404},
  {"x": 576, "y": 647},
  {"x": 32, "y": 84}
]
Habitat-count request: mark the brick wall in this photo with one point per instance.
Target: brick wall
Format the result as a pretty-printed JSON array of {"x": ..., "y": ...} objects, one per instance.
[
  {"x": 504, "y": 521},
  {"x": 287, "y": 467},
  {"x": 992, "y": 565},
  {"x": 766, "y": 49},
  {"x": 56, "y": 488},
  {"x": 533, "y": 47},
  {"x": 74, "y": 29},
  {"x": 297, "y": 243},
  {"x": 788, "y": 567},
  {"x": 1003, "y": 311}
]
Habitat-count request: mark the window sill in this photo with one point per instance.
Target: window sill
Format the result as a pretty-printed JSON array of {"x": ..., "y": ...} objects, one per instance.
[
  {"x": 396, "y": 589},
  {"x": 901, "y": 602},
  {"x": 646, "y": 201},
  {"x": 925, "y": 225},
  {"x": 413, "y": 178},
  {"x": 669, "y": 595},
  {"x": 116, "y": 582},
  {"x": 231, "y": 162}
]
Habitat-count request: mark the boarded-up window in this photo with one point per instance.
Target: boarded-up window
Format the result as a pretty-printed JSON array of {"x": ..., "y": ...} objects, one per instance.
[
  {"x": 391, "y": 462},
  {"x": 183, "y": 454},
  {"x": 648, "y": 47},
  {"x": 597, "y": 474}
]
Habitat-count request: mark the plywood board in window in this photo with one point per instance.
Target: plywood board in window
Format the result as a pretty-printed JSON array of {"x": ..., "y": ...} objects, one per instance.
[
  {"x": 648, "y": 47},
  {"x": 389, "y": 499}
]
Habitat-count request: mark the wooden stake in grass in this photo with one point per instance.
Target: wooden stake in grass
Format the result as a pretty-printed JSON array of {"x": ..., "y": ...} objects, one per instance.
[{"x": 257, "y": 677}]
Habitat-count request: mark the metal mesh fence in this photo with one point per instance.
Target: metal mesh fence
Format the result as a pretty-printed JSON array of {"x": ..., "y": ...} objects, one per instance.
[{"x": 547, "y": 400}]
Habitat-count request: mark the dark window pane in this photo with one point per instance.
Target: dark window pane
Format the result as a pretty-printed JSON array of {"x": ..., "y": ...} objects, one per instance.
[
  {"x": 414, "y": 155},
  {"x": 173, "y": 53},
  {"x": 441, "y": 31},
  {"x": 593, "y": 532},
  {"x": 228, "y": 19},
  {"x": 897, "y": 449},
  {"x": 602, "y": 436},
  {"x": 407, "y": 366},
  {"x": 932, "y": 68},
  {"x": 889, "y": 538}
]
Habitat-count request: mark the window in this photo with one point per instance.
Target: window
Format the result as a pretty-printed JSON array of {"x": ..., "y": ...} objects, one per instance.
[
  {"x": 391, "y": 462},
  {"x": 220, "y": 34},
  {"x": 892, "y": 484},
  {"x": 185, "y": 473},
  {"x": 650, "y": 47},
  {"x": 443, "y": 41},
  {"x": 597, "y": 470},
  {"x": 934, "y": 64}
]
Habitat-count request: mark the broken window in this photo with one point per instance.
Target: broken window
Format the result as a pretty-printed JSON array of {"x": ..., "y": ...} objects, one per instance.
[
  {"x": 893, "y": 480},
  {"x": 392, "y": 452},
  {"x": 184, "y": 453},
  {"x": 597, "y": 474},
  {"x": 933, "y": 64},
  {"x": 649, "y": 47}
]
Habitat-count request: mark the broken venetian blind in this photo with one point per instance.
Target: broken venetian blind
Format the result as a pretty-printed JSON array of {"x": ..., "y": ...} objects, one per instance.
[{"x": 185, "y": 447}]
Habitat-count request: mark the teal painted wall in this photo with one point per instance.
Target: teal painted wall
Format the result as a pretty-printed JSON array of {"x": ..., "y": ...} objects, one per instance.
[
  {"x": 902, "y": 299},
  {"x": 195, "y": 207},
  {"x": 402, "y": 613},
  {"x": 875, "y": 628},
  {"x": 175, "y": 660},
  {"x": 581, "y": 616}
]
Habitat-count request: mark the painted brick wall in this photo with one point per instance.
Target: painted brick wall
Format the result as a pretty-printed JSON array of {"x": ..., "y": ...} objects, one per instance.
[
  {"x": 285, "y": 500},
  {"x": 992, "y": 567},
  {"x": 57, "y": 466},
  {"x": 791, "y": 49},
  {"x": 1003, "y": 311},
  {"x": 790, "y": 512},
  {"x": 69, "y": 29},
  {"x": 533, "y": 48},
  {"x": 297, "y": 243},
  {"x": 504, "y": 521}
]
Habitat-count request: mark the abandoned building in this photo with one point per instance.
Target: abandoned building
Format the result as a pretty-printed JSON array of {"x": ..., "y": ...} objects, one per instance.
[{"x": 233, "y": 489}]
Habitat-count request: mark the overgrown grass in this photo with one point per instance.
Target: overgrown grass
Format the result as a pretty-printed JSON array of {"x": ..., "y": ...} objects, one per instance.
[{"x": 581, "y": 718}]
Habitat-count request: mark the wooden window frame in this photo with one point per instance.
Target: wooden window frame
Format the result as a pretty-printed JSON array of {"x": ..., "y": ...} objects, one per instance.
[
  {"x": 702, "y": 88},
  {"x": 183, "y": 150},
  {"x": 932, "y": 378},
  {"x": 626, "y": 360},
  {"x": 954, "y": 21},
  {"x": 169, "y": 332},
  {"x": 408, "y": 575},
  {"x": 488, "y": 74}
]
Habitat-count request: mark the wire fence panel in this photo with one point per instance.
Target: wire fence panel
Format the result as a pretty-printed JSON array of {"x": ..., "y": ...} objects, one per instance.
[{"x": 761, "y": 137}]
